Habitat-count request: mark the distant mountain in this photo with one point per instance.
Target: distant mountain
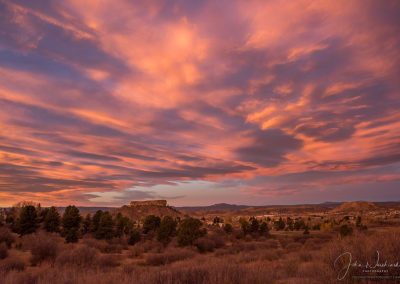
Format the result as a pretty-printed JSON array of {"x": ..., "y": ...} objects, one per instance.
[{"x": 214, "y": 207}]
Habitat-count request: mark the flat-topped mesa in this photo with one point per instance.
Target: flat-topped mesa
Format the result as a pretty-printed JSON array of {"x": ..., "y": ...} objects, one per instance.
[{"x": 162, "y": 203}]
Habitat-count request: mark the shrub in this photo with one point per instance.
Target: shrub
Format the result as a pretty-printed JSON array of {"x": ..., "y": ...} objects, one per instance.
[
  {"x": 152, "y": 246},
  {"x": 2, "y": 218},
  {"x": 218, "y": 240},
  {"x": 52, "y": 220},
  {"x": 168, "y": 257},
  {"x": 345, "y": 230},
  {"x": 3, "y": 251},
  {"x": 189, "y": 230},
  {"x": 6, "y": 237},
  {"x": 81, "y": 256},
  {"x": 12, "y": 263},
  {"x": 103, "y": 246},
  {"x": 263, "y": 229},
  {"x": 228, "y": 228},
  {"x": 280, "y": 224},
  {"x": 108, "y": 261},
  {"x": 299, "y": 224},
  {"x": 166, "y": 230},
  {"x": 42, "y": 247},
  {"x": 151, "y": 223},
  {"x": 254, "y": 225},
  {"x": 134, "y": 237},
  {"x": 71, "y": 222},
  {"x": 245, "y": 226},
  {"x": 205, "y": 245}
]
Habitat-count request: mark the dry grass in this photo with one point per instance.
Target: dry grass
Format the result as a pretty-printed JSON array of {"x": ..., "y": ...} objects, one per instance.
[
  {"x": 12, "y": 263},
  {"x": 283, "y": 259},
  {"x": 3, "y": 251},
  {"x": 43, "y": 247},
  {"x": 6, "y": 236},
  {"x": 168, "y": 256}
]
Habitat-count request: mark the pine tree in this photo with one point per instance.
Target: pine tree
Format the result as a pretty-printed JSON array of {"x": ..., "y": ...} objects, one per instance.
[
  {"x": 280, "y": 224},
  {"x": 263, "y": 229},
  {"x": 134, "y": 236},
  {"x": 27, "y": 222},
  {"x": 96, "y": 220},
  {"x": 244, "y": 224},
  {"x": 189, "y": 231},
  {"x": 71, "y": 222},
  {"x": 123, "y": 225},
  {"x": 254, "y": 225},
  {"x": 52, "y": 220},
  {"x": 166, "y": 230},
  {"x": 151, "y": 223},
  {"x": 228, "y": 228},
  {"x": 105, "y": 228},
  {"x": 87, "y": 224}
]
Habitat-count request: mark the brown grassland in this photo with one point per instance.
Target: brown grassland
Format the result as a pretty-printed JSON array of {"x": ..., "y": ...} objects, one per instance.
[{"x": 280, "y": 255}]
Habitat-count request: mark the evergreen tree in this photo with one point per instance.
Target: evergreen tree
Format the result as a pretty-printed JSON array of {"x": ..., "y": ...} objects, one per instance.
[
  {"x": 27, "y": 222},
  {"x": 299, "y": 224},
  {"x": 52, "y": 220},
  {"x": 289, "y": 223},
  {"x": 254, "y": 225},
  {"x": 71, "y": 222},
  {"x": 42, "y": 214},
  {"x": 244, "y": 225},
  {"x": 217, "y": 220},
  {"x": 166, "y": 230},
  {"x": 151, "y": 223},
  {"x": 228, "y": 228},
  {"x": 134, "y": 236},
  {"x": 105, "y": 228},
  {"x": 123, "y": 225},
  {"x": 96, "y": 220},
  {"x": 263, "y": 229},
  {"x": 87, "y": 224},
  {"x": 345, "y": 230},
  {"x": 280, "y": 224},
  {"x": 189, "y": 231},
  {"x": 2, "y": 218},
  {"x": 358, "y": 221}
]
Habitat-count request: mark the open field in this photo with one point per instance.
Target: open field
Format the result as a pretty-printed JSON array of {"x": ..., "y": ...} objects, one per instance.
[{"x": 293, "y": 247}]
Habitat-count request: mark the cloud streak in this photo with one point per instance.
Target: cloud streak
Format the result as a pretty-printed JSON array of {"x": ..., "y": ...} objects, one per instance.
[{"x": 110, "y": 99}]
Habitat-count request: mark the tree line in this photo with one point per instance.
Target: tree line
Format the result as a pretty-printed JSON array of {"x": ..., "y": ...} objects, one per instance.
[{"x": 28, "y": 218}]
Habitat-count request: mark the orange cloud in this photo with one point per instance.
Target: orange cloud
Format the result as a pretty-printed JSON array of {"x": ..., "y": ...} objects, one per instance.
[{"x": 264, "y": 99}]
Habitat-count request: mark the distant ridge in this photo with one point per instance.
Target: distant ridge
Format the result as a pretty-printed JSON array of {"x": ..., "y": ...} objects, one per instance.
[
  {"x": 356, "y": 206},
  {"x": 214, "y": 207}
]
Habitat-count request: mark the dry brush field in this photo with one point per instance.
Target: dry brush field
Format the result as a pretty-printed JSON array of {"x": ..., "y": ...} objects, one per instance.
[{"x": 216, "y": 256}]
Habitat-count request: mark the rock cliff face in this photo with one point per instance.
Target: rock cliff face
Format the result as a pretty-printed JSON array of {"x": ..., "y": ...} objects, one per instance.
[
  {"x": 162, "y": 203},
  {"x": 138, "y": 210}
]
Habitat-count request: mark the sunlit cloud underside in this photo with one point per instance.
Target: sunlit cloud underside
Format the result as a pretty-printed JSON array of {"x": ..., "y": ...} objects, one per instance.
[{"x": 198, "y": 102}]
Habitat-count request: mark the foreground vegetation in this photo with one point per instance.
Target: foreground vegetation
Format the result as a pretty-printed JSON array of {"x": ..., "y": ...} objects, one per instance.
[{"x": 41, "y": 246}]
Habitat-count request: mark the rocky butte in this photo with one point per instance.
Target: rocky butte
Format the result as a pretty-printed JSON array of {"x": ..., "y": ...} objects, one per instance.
[
  {"x": 138, "y": 210},
  {"x": 162, "y": 203}
]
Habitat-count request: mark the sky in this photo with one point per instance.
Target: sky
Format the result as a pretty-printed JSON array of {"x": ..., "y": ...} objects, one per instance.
[{"x": 199, "y": 102}]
